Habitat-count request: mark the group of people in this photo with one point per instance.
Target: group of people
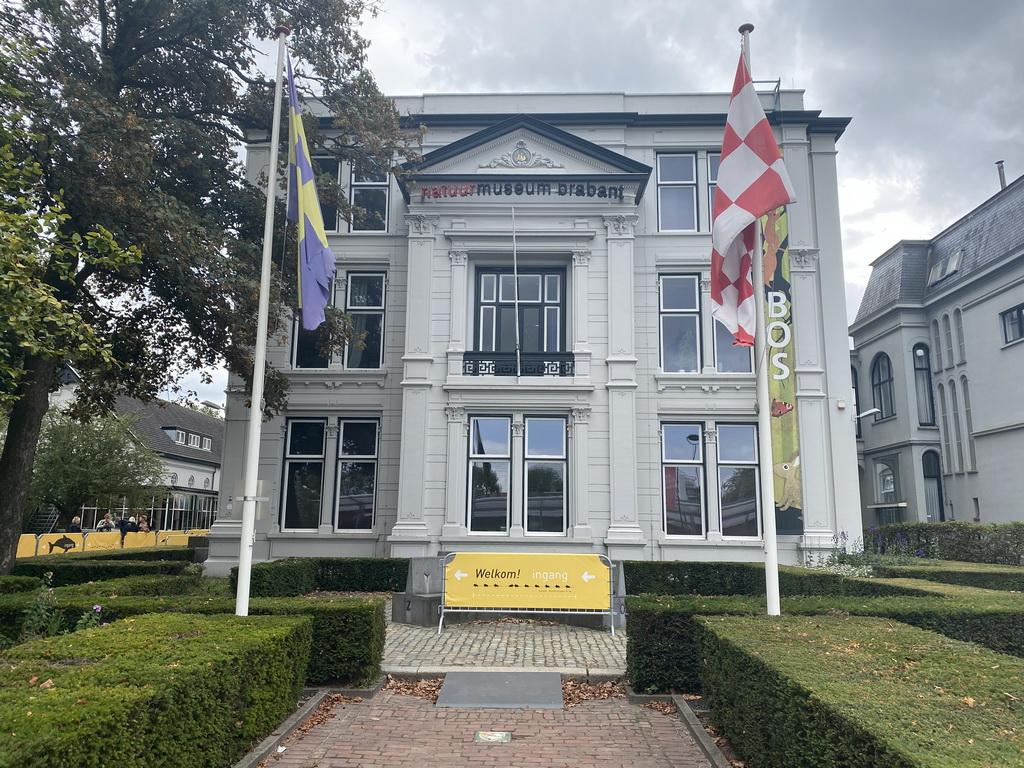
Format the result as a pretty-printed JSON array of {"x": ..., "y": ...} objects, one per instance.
[{"x": 122, "y": 524}]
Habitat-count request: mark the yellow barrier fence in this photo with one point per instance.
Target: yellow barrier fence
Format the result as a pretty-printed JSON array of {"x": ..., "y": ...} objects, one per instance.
[
  {"x": 59, "y": 543},
  {"x": 139, "y": 539},
  {"x": 103, "y": 540},
  {"x": 26, "y": 545}
]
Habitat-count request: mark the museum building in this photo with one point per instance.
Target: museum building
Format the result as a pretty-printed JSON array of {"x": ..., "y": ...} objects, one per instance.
[{"x": 540, "y": 371}]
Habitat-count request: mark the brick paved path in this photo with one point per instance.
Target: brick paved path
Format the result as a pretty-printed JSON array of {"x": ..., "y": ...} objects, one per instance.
[{"x": 397, "y": 730}]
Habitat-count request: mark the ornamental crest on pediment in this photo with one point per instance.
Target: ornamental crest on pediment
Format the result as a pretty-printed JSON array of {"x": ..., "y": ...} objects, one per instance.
[{"x": 521, "y": 157}]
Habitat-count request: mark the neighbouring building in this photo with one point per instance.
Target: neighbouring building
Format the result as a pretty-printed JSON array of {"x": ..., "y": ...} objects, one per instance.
[
  {"x": 541, "y": 371},
  {"x": 939, "y": 352},
  {"x": 189, "y": 444}
]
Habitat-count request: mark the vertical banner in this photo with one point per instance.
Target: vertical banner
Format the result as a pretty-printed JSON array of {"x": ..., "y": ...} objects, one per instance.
[{"x": 789, "y": 496}]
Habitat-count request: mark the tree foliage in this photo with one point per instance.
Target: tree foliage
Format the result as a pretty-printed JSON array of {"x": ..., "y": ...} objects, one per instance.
[
  {"x": 95, "y": 462},
  {"x": 136, "y": 109}
]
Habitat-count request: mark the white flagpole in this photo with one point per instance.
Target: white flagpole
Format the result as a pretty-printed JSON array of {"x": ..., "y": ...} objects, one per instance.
[
  {"x": 252, "y": 442},
  {"x": 764, "y": 421}
]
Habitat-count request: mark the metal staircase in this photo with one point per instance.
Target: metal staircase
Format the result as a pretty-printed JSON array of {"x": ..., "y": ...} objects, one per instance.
[{"x": 43, "y": 521}]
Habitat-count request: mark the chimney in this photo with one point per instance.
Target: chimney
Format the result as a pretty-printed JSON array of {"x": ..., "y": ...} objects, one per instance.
[{"x": 1002, "y": 174}]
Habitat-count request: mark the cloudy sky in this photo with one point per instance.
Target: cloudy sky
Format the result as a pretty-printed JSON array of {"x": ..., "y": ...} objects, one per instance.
[{"x": 935, "y": 88}]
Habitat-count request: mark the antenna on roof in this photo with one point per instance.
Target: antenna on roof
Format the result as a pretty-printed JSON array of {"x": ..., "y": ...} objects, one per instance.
[{"x": 1002, "y": 174}]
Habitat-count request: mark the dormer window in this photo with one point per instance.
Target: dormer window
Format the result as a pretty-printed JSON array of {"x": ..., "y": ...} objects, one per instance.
[
  {"x": 179, "y": 436},
  {"x": 945, "y": 266}
]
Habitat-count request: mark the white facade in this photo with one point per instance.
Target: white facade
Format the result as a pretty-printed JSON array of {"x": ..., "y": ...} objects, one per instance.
[{"x": 600, "y": 203}]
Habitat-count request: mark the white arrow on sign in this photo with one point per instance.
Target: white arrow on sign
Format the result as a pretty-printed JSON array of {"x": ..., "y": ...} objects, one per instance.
[
  {"x": 460, "y": 575},
  {"x": 587, "y": 576}
]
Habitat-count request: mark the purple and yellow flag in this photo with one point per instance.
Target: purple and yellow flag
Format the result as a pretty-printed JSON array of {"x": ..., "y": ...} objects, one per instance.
[{"x": 316, "y": 261}]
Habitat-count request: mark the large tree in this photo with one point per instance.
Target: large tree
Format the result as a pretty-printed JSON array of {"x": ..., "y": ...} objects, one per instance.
[
  {"x": 138, "y": 107},
  {"x": 96, "y": 462}
]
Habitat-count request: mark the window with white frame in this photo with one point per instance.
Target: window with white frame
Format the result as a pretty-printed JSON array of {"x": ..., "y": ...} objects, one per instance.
[
  {"x": 731, "y": 357},
  {"x": 194, "y": 441},
  {"x": 207, "y": 444},
  {"x": 738, "y": 480},
  {"x": 682, "y": 457},
  {"x": 541, "y": 305},
  {"x": 680, "y": 323},
  {"x": 357, "y": 473},
  {"x": 923, "y": 386},
  {"x": 369, "y": 197},
  {"x": 518, "y": 482},
  {"x": 1013, "y": 324},
  {"x": 944, "y": 265},
  {"x": 364, "y": 301},
  {"x": 179, "y": 437},
  {"x": 677, "y": 192},
  {"x": 958, "y": 327},
  {"x": 972, "y": 456},
  {"x": 303, "y": 474},
  {"x": 714, "y": 160},
  {"x": 328, "y": 182},
  {"x": 947, "y": 333}
]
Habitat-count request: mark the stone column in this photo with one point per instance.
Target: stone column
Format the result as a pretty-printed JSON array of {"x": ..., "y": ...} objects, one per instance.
[
  {"x": 516, "y": 529},
  {"x": 581, "y": 313},
  {"x": 409, "y": 537},
  {"x": 457, "y": 339},
  {"x": 455, "y": 490},
  {"x": 579, "y": 477},
  {"x": 625, "y": 539},
  {"x": 714, "y": 502},
  {"x": 330, "y": 477}
]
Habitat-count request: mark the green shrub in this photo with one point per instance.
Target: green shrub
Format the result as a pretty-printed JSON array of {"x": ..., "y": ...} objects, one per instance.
[
  {"x": 186, "y": 554},
  {"x": 296, "y": 576},
  {"x": 797, "y": 692},
  {"x": 1000, "y": 543},
  {"x": 172, "y": 690},
  {"x": 1001, "y": 577},
  {"x": 69, "y": 571},
  {"x": 10, "y": 585}
]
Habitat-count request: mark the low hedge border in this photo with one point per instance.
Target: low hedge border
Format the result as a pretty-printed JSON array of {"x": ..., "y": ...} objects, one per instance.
[
  {"x": 186, "y": 554},
  {"x": 1008, "y": 578},
  {"x": 348, "y": 633},
  {"x": 661, "y": 655},
  {"x": 295, "y": 576},
  {"x": 81, "y": 571},
  {"x": 858, "y": 692},
  {"x": 10, "y": 585},
  {"x": 174, "y": 691},
  {"x": 1001, "y": 543}
]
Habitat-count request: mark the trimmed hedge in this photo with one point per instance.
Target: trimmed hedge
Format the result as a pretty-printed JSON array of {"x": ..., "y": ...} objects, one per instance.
[
  {"x": 296, "y": 576},
  {"x": 348, "y": 633},
  {"x": 661, "y": 655},
  {"x": 1002, "y": 577},
  {"x": 79, "y": 572},
  {"x": 175, "y": 691},
  {"x": 1000, "y": 543},
  {"x": 10, "y": 585},
  {"x": 795, "y": 692},
  {"x": 689, "y": 578},
  {"x": 187, "y": 554}
]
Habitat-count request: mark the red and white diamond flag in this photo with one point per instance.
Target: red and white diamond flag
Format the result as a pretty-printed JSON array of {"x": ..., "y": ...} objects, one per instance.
[{"x": 752, "y": 180}]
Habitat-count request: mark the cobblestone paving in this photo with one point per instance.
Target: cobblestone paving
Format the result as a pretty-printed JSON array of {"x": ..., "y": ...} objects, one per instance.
[
  {"x": 570, "y": 650},
  {"x": 396, "y": 730}
]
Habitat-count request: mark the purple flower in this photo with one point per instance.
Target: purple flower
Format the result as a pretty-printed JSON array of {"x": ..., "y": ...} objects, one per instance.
[{"x": 97, "y": 608}]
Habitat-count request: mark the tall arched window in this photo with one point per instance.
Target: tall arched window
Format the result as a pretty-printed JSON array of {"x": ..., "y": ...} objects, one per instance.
[
  {"x": 856, "y": 396},
  {"x": 958, "y": 433},
  {"x": 881, "y": 386},
  {"x": 931, "y": 470},
  {"x": 947, "y": 332},
  {"x": 937, "y": 345},
  {"x": 972, "y": 458},
  {"x": 958, "y": 327},
  {"x": 923, "y": 386},
  {"x": 944, "y": 428}
]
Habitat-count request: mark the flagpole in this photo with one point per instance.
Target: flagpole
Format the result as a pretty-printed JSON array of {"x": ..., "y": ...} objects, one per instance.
[
  {"x": 252, "y": 442},
  {"x": 764, "y": 422}
]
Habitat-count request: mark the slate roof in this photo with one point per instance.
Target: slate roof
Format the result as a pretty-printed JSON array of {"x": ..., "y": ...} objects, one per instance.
[
  {"x": 991, "y": 232},
  {"x": 158, "y": 414}
]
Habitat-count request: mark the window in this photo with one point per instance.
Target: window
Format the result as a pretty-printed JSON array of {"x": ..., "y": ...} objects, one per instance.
[
  {"x": 881, "y": 387},
  {"x": 364, "y": 301},
  {"x": 490, "y": 461},
  {"x": 677, "y": 193},
  {"x": 729, "y": 356},
  {"x": 538, "y": 301},
  {"x": 737, "y": 479},
  {"x": 191, "y": 481},
  {"x": 545, "y": 468},
  {"x": 944, "y": 415},
  {"x": 179, "y": 437},
  {"x": 369, "y": 198},
  {"x": 937, "y": 345},
  {"x": 923, "y": 386},
  {"x": 206, "y": 483},
  {"x": 887, "y": 486},
  {"x": 948, "y": 335},
  {"x": 680, "y": 323},
  {"x": 1013, "y": 324},
  {"x": 307, "y": 346},
  {"x": 958, "y": 325},
  {"x": 714, "y": 160},
  {"x": 357, "y": 473},
  {"x": 971, "y": 454},
  {"x": 194, "y": 441},
  {"x": 682, "y": 458},
  {"x": 327, "y": 185},
  {"x": 958, "y": 433},
  {"x": 207, "y": 444},
  {"x": 855, "y": 380},
  {"x": 303, "y": 475},
  {"x": 538, "y": 502},
  {"x": 932, "y": 473},
  {"x": 944, "y": 265}
]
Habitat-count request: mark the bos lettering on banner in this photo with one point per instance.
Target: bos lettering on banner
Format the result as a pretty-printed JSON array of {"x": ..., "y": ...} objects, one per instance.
[
  {"x": 789, "y": 513},
  {"x": 522, "y": 189}
]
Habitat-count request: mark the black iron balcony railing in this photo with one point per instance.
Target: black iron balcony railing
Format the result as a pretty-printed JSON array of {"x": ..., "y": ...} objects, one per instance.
[{"x": 530, "y": 364}]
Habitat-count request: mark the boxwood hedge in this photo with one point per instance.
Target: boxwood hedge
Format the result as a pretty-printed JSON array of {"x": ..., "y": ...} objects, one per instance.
[
  {"x": 171, "y": 690},
  {"x": 803, "y": 692},
  {"x": 296, "y": 576}
]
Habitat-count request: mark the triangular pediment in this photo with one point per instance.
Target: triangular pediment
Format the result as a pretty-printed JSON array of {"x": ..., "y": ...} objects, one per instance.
[{"x": 520, "y": 148}]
